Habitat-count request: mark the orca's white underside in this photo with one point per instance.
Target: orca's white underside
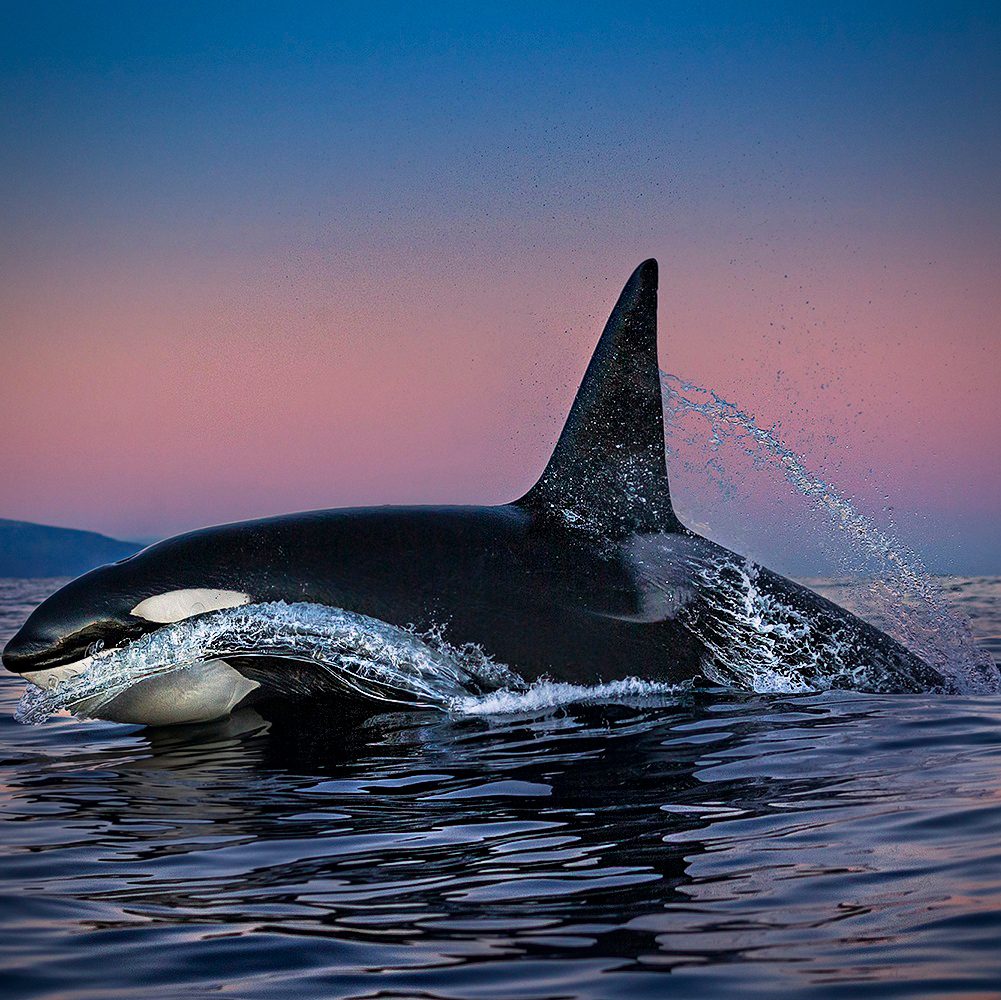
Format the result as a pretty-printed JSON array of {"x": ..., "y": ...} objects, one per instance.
[{"x": 197, "y": 693}]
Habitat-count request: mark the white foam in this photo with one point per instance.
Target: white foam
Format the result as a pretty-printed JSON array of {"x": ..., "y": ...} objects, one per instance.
[
  {"x": 544, "y": 695},
  {"x": 758, "y": 641}
]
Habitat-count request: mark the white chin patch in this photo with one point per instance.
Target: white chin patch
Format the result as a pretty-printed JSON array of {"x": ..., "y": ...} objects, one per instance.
[
  {"x": 53, "y": 676},
  {"x": 176, "y": 605},
  {"x": 197, "y": 693}
]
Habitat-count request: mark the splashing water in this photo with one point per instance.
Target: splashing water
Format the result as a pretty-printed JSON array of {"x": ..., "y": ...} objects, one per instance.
[
  {"x": 545, "y": 694},
  {"x": 356, "y": 653},
  {"x": 758, "y": 637},
  {"x": 898, "y": 594},
  {"x": 757, "y": 641}
]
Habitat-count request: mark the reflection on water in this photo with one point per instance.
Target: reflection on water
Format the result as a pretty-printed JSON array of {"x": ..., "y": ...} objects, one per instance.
[{"x": 835, "y": 844}]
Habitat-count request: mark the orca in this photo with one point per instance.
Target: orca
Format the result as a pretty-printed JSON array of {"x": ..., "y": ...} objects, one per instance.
[{"x": 587, "y": 578}]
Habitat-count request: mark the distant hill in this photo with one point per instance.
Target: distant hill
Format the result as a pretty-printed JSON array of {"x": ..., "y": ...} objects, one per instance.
[{"x": 28, "y": 549}]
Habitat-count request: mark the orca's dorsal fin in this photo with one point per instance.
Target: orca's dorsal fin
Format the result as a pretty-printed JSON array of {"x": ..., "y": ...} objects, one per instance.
[{"x": 608, "y": 473}]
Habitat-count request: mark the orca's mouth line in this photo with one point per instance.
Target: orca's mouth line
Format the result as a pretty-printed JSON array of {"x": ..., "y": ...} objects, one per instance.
[{"x": 72, "y": 649}]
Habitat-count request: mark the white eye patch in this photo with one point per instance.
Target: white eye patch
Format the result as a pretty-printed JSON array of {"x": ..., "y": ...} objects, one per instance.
[{"x": 176, "y": 605}]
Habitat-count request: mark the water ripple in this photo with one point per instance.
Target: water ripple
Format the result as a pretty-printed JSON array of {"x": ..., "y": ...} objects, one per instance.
[{"x": 829, "y": 844}]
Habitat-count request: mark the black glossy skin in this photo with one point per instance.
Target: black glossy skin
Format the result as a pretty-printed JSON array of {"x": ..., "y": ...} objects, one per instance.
[
  {"x": 544, "y": 599},
  {"x": 587, "y": 578},
  {"x": 492, "y": 575}
]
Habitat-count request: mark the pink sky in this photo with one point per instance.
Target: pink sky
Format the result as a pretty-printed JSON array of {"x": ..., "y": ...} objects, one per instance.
[
  {"x": 148, "y": 397},
  {"x": 250, "y": 268}
]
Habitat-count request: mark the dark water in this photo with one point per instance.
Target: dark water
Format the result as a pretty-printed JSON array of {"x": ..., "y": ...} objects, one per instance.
[{"x": 836, "y": 845}]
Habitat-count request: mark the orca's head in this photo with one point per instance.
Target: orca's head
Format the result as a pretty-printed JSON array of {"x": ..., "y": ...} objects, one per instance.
[{"x": 110, "y": 607}]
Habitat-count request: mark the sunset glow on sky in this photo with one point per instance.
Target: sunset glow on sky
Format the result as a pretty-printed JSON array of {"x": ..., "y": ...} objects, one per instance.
[{"x": 269, "y": 260}]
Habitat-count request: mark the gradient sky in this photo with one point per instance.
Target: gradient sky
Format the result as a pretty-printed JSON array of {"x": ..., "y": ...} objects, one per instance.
[{"x": 257, "y": 259}]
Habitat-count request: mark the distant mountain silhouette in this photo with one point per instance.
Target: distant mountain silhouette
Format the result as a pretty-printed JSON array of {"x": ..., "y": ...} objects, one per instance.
[{"x": 28, "y": 549}]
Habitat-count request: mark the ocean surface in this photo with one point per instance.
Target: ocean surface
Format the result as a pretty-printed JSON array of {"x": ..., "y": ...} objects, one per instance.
[{"x": 716, "y": 843}]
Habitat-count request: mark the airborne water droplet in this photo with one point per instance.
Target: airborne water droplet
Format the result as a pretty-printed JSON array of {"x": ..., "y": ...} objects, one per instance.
[{"x": 896, "y": 593}]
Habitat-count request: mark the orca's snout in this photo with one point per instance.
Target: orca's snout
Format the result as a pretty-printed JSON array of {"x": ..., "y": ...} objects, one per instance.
[
  {"x": 84, "y": 615},
  {"x": 23, "y": 652},
  {"x": 44, "y": 642}
]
